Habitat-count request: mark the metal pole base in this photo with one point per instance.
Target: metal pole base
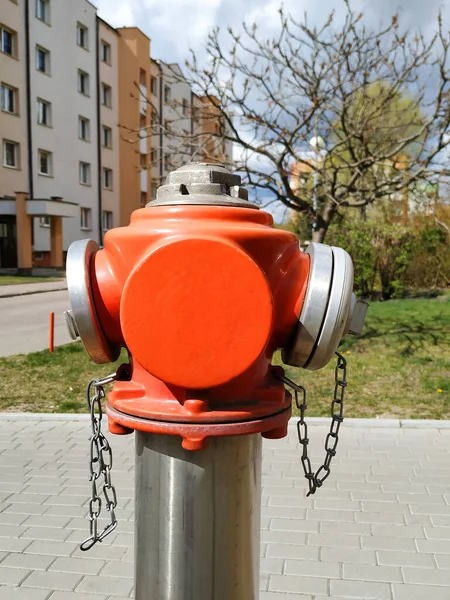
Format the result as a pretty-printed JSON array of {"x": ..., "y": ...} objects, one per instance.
[{"x": 198, "y": 514}]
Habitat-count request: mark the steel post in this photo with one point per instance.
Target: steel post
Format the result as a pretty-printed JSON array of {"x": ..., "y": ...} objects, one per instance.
[{"x": 197, "y": 532}]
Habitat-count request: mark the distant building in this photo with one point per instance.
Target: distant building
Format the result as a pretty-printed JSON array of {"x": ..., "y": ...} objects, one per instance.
[{"x": 210, "y": 129}]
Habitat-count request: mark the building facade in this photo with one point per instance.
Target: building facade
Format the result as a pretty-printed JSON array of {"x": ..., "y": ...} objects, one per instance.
[
  {"x": 134, "y": 120},
  {"x": 108, "y": 60},
  {"x": 90, "y": 125}
]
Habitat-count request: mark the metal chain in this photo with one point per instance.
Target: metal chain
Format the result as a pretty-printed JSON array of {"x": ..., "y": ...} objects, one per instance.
[
  {"x": 316, "y": 480},
  {"x": 100, "y": 464}
]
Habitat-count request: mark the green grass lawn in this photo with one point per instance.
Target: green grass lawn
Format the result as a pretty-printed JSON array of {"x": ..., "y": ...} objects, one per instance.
[
  {"x": 17, "y": 279},
  {"x": 400, "y": 368}
]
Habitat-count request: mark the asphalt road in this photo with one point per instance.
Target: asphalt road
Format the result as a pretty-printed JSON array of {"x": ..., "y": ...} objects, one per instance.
[{"x": 24, "y": 322}]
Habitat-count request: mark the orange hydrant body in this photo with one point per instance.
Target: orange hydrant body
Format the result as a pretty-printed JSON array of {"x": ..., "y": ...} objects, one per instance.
[
  {"x": 201, "y": 296},
  {"x": 201, "y": 289}
]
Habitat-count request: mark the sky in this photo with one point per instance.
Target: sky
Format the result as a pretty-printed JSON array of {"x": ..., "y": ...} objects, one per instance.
[{"x": 174, "y": 26}]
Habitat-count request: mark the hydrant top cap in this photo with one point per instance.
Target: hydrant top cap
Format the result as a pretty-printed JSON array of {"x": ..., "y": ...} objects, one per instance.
[{"x": 202, "y": 184}]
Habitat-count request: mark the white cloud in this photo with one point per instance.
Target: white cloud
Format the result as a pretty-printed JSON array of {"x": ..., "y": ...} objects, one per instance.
[{"x": 175, "y": 25}]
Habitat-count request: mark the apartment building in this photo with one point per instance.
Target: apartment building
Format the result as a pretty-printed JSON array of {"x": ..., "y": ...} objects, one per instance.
[
  {"x": 171, "y": 144},
  {"x": 81, "y": 105},
  {"x": 63, "y": 98},
  {"x": 108, "y": 47},
  {"x": 134, "y": 120}
]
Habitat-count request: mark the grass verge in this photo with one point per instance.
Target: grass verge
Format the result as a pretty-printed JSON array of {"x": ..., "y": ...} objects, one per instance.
[
  {"x": 399, "y": 368},
  {"x": 18, "y": 279}
]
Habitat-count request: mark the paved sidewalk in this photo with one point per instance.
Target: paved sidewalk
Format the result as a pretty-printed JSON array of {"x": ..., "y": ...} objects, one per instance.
[
  {"x": 26, "y": 289},
  {"x": 378, "y": 529}
]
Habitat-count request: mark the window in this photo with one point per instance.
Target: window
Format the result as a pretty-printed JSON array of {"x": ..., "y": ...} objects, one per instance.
[
  {"x": 8, "y": 40},
  {"x": 85, "y": 218},
  {"x": 143, "y": 161},
  {"x": 83, "y": 82},
  {"x": 105, "y": 52},
  {"x": 143, "y": 198},
  {"x": 153, "y": 155},
  {"x": 10, "y": 154},
  {"x": 167, "y": 93},
  {"x": 84, "y": 129},
  {"x": 185, "y": 107},
  {"x": 85, "y": 173},
  {"x": 142, "y": 121},
  {"x": 153, "y": 86},
  {"x": 43, "y": 10},
  {"x": 9, "y": 99},
  {"x": 82, "y": 36},
  {"x": 167, "y": 125},
  {"x": 142, "y": 77},
  {"x": 45, "y": 163},
  {"x": 167, "y": 162},
  {"x": 106, "y": 95},
  {"x": 107, "y": 220},
  {"x": 42, "y": 60},
  {"x": 154, "y": 188},
  {"x": 44, "y": 112},
  {"x": 106, "y": 137},
  {"x": 107, "y": 178},
  {"x": 44, "y": 222}
]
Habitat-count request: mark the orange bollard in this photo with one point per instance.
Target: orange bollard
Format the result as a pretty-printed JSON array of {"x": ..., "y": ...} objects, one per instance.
[{"x": 51, "y": 345}]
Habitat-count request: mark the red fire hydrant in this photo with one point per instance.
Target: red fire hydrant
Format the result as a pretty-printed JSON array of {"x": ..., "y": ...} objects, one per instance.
[{"x": 201, "y": 290}]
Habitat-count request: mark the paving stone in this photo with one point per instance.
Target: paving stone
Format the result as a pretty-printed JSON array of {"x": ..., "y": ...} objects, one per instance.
[
  {"x": 52, "y": 580},
  {"x": 405, "y": 559},
  {"x": 46, "y": 533},
  {"x": 294, "y": 525},
  {"x": 388, "y": 543},
  {"x": 281, "y": 596},
  {"x": 114, "y": 586},
  {"x": 339, "y": 541},
  {"x": 348, "y": 555},
  {"x": 402, "y": 531},
  {"x": 122, "y": 569},
  {"x": 292, "y": 551},
  {"x": 419, "y": 592},
  {"x": 28, "y": 561},
  {"x": 360, "y": 589},
  {"x": 427, "y": 576},
  {"x": 372, "y": 573},
  {"x": 8, "y": 593},
  {"x": 51, "y": 548},
  {"x": 11, "y": 576},
  {"x": 84, "y": 566},
  {"x": 77, "y": 596},
  {"x": 312, "y": 568},
  {"x": 295, "y": 584}
]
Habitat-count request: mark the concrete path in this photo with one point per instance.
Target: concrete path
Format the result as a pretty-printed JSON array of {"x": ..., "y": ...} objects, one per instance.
[
  {"x": 26, "y": 289},
  {"x": 24, "y": 321},
  {"x": 379, "y": 528}
]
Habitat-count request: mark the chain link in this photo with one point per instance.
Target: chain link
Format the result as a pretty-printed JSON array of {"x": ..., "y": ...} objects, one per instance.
[
  {"x": 316, "y": 480},
  {"x": 100, "y": 463}
]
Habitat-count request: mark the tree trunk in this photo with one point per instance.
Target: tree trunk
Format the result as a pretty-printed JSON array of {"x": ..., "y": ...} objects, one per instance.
[{"x": 323, "y": 221}]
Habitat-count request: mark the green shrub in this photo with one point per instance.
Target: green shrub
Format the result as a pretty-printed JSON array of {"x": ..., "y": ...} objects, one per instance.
[
  {"x": 357, "y": 238},
  {"x": 381, "y": 255}
]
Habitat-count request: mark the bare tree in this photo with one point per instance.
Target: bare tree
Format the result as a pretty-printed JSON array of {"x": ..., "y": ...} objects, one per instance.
[{"x": 379, "y": 98}]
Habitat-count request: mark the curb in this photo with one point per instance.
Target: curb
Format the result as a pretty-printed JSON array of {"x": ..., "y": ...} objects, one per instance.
[
  {"x": 379, "y": 423},
  {"x": 314, "y": 421},
  {"x": 61, "y": 289}
]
